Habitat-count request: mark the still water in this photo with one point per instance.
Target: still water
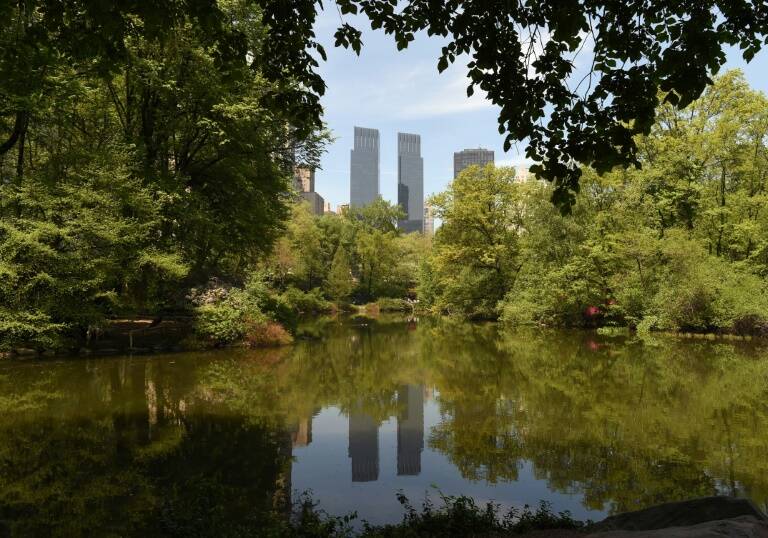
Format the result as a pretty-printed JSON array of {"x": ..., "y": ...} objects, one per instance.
[{"x": 204, "y": 443}]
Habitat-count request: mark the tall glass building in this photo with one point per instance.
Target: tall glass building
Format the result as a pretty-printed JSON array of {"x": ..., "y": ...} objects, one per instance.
[
  {"x": 410, "y": 181},
  {"x": 468, "y": 157},
  {"x": 364, "y": 167}
]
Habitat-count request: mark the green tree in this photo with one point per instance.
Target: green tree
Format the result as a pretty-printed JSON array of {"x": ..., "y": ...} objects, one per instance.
[
  {"x": 340, "y": 284},
  {"x": 475, "y": 253},
  {"x": 141, "y": 151}
]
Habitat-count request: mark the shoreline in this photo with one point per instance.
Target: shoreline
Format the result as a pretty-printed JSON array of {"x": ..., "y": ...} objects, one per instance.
[{"x": 175, "y": 334}]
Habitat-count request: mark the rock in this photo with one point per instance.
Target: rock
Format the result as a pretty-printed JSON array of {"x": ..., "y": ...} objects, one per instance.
[
  {"x": 681, "y": 514},
  {"x": 738, "y": 527}
]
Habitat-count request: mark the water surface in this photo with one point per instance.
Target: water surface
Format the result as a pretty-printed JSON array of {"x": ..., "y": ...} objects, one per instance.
[{"x": 209, "y": 443}]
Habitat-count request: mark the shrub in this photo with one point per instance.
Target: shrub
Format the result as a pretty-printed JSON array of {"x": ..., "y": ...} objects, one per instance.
[
  {"x": 311, "y": 302},
  {"x": 556, "y": 298},
  {"x": 224, "y": 315},
  {"x": 389, "y": 304},
  {"x": 701, "y": 292},
  {"x": 266, "y": 334},
  {"x": 29, "y": 329},
  {"x": 219, "y": 324}
]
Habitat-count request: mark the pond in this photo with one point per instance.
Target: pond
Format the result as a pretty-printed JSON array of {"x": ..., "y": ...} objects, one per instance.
[{"x": 206, "y": 443}]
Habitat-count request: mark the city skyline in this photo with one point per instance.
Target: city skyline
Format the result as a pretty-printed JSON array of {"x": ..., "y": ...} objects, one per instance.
[{"x": 403, "y": 91}]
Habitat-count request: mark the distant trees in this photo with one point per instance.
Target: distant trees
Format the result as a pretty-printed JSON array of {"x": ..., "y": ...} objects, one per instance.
[{"x": 359, "y": 255}]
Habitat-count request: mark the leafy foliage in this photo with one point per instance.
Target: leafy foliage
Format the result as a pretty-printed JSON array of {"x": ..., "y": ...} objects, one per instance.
[
  {"x": 360, "y": 255},
  {"x": 678, "y": 242},
  {"x": 143, "y": 150},
  {"x": 524, "y": 57}
]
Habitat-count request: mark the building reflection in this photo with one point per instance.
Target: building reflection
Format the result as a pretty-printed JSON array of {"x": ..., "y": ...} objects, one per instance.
[
  {"x": 410, "y": 429},
  {"x": 364, "y": 437},
  {"x": 301, "y": 433},
  {"x": 363, "y": 446}
]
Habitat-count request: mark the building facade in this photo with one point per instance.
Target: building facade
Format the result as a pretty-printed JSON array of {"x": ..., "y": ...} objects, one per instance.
[
  {"x": 316, "y": 202},
  {"x": 410, "y": 182},
  {"x": 468, "y": 157},
  {"x": 364, "y": 167},
  {"x": 522, "y": 174},
  {"x": 429, "y": 220},
  {"x": 304, "y": 179}
]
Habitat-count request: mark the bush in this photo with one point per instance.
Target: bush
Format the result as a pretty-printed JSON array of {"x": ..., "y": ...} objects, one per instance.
[
  {"x": 220, "y": 324},
  {"x": 703, "y": 293},
  {"x": 389, "y": 304},
  {"x": 557, "y": 298},
  {"x": 311, "y": 302},
  {"x": 266, "y": 334},
  {"x": 226, "y": 315},
  {"x": 29, "y": 329}
]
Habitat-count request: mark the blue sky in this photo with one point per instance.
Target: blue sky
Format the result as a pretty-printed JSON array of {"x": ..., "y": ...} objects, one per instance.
[{"x": 401, "y": 91}]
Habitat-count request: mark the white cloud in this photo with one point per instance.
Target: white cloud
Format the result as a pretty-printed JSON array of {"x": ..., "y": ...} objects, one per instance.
[{"x": 448, "y": 98}]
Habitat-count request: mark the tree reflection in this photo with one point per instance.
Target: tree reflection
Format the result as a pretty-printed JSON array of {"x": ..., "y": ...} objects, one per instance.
[{"x": 197, "y": 442}]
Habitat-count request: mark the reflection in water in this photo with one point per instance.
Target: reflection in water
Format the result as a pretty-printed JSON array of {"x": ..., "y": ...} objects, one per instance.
[
  {"x": 207, "y": 443},
  {"x": 363, "y": 446},
  {"x": 301, "y": 433},
  {"x": 410, "y": 429}
]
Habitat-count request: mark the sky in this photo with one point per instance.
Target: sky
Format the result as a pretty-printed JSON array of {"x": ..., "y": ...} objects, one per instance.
[{"x": 401, "y": 91}]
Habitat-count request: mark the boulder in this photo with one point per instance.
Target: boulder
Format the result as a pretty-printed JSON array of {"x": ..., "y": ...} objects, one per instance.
[
  {"x": 681, "y": 514},
  {"x": 738, "y": 527}
]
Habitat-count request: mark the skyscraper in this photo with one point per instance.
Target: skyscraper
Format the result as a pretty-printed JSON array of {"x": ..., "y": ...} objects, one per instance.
[
  {"x": 304, "y": 183},
  {"x": 364, "y": 167},
  {"x": 410, "y": 181},
  {"x": 468, "y": 157}
]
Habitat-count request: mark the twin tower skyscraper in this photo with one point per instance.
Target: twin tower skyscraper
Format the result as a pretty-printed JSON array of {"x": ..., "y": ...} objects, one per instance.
[{"x": 364, "y": 173}]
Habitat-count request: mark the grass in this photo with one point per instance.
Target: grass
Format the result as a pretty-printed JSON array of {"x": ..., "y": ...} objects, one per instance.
[{"x": 456, "y": 517}]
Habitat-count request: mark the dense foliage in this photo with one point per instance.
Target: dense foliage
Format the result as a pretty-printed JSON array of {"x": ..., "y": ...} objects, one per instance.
[
  {"x": 321, "y": 264},
  {"x": 146, "y": 152},
  {"x": 680, "y": 244},
  {"x": 358, "y": 256},
  {"x": 524, "y": 55}
]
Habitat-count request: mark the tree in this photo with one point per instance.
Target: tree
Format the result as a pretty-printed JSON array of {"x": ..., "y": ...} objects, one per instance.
[
  {"x": 143, "y": 150},
  {"x": 306, "y": 241},
  {"x": 340, "y": 284},
  {"x": 379, "y": 214},
  {"x": 377, "y": 255},
  {"x": 475, "y": 250}
]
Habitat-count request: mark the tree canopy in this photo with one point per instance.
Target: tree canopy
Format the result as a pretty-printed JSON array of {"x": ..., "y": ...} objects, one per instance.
[{"x": 523, "y": 56}]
